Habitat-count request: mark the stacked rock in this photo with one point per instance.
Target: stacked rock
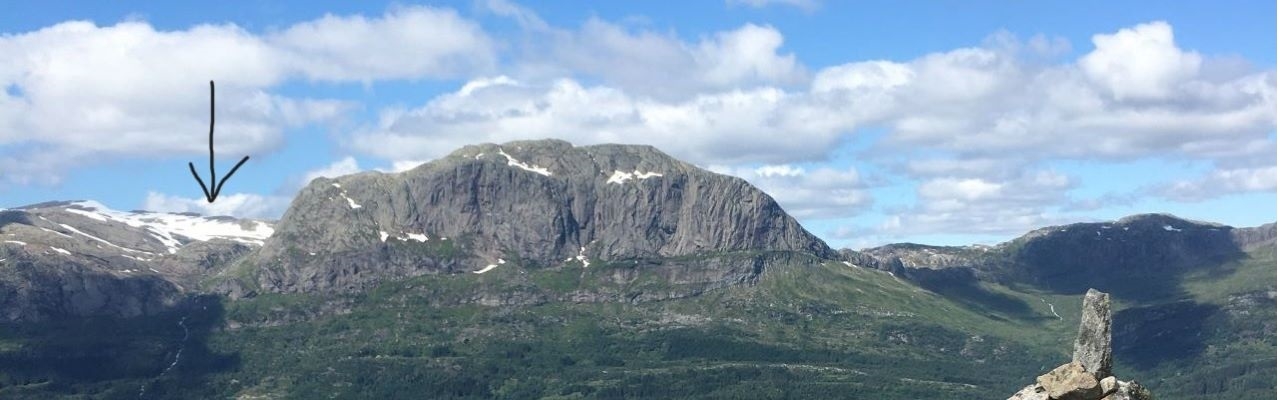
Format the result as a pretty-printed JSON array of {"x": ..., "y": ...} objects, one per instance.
[{"x": 1088, "y": 375}]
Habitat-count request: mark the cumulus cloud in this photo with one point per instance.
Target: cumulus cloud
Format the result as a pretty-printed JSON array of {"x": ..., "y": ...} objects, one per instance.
[
  {"x": 242, "y": 205},
  {"x": 734, "y": 127},
  {"x": 647, "y": 62},
  {"x": 979, "y": 206},
  {"x": 1222, "y": 181},
  {"x": 660, "y": 64},
  {"x": 817, "y": 193},
  {"x": 971, "y": 103},
  {"x": 965, "y": 123},
  {"x": 75, "y": 91},
  {"x": 345, "y": 166},
  {"x": 404, "y": 43},
  {"x": 1141, "y": 62}
]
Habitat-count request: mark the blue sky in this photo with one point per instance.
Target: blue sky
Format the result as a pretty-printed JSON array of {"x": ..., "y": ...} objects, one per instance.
[{"x": 872, "y": 122}]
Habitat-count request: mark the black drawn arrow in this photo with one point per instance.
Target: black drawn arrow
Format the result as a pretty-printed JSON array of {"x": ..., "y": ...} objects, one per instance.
[{"x": 211, "y": 195}]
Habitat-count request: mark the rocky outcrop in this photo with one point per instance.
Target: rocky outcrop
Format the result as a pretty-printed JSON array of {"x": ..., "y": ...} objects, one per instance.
[
  {"x": 1088, "y": 375},
  {"x": 1252, "y": 238},
  {"x": 531, "y": 203},
  {"x": 1093, "y": 342}
]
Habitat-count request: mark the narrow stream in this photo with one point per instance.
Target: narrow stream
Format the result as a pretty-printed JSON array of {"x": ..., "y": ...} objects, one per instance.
[
  {"x": 186, "y": 334},
  {"x": 1055, "y": 312}
]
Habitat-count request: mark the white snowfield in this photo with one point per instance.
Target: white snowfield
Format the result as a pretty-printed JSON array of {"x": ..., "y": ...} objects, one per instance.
[
  {"x": 167, "y": 228},
  {"x": 619, "y": 177}
]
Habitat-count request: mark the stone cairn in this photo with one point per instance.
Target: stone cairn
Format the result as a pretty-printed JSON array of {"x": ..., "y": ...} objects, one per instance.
[{"x": 1088, "y": 375}]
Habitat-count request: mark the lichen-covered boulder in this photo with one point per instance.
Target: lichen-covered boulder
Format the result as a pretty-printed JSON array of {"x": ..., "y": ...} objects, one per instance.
[{"x": 1070, "y": 381}]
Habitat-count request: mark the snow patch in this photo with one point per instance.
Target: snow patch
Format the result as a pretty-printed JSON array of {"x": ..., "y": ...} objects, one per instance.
[
  {"x": 60, "y": 250},
  {"x": 1171, "y": 228},
  {"x": 77, "y": 231},
  {"x": 846, "y": 263},
  {"x": 337, "y": 186},
  {"x": 511, "y": 161},
  {"x": 55, "y": 232},
  {"x": 383, "y": 235},
  {"x": 417, "y": 236},
  {"x": 136, "y": 258},
  {"x": 582, "y": 256},
  {"x": 16, "y": 242},
  {"x": 619, "y": 177},
  {"x": 350, "y": 202},
  {"x": 490, "y": 267}
]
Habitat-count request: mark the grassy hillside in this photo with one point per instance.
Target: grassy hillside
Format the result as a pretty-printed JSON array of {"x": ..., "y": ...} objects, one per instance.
[{"x": 821, "y": 331}]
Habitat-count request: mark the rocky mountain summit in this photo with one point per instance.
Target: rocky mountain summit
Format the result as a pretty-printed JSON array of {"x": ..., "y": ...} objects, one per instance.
[
  {"x": 1088, "y": 375},
  {"x": 84, "y": 259},
  {"x": 1075, "y": 257},
  {"x": 536, "y": 204}
]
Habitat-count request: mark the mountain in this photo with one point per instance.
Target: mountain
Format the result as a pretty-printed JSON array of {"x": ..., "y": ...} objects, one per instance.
[
  {"x": 537, "y": 204},
  {"x": 1134, "y": 257},
  {"x": 83, "y": 259},
  {"x": 538, "y": 269}
]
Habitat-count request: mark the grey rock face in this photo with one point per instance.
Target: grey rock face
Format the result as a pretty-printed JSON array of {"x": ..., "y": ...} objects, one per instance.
[
  {"x": 541, "y": 203},
  {"x": 1255, "y": 237},
  {"x": 932, "y": 257},
  {"x": 1093, "y": 342}
]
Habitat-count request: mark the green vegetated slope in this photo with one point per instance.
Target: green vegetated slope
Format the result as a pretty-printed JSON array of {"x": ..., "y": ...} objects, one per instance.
[
  {"x": 1217, "y": 341},
  {"x": 828, "y": 331}
]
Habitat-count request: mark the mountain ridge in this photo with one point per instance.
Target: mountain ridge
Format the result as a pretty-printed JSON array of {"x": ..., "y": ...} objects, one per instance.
[{"x": 497, "y": 266}]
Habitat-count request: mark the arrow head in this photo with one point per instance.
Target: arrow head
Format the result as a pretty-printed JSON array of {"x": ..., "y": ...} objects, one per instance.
[{"x": 215, "y": 186}]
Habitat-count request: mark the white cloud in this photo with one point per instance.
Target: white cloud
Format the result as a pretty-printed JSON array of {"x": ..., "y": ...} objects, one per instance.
[
  {"x": 405, "y": 165},
  {"x": 819, "y": 193},
  {"x": 242, "y": 205},
  {"x": 78, "y": 93},
  {"x": 972, "y": 103},
  {"x": 345, "y": 166},
  {"x": 731, "y": 127},
  {"x": 966, "y": 121},
  {"x": 770, "y": 171},
  {"x": 405, "y": 43},
  {"x": 1221, "y": 182},
  {"x": 1141, "y": 62},
  {"x": 646, "y": 62},
  {"x": 966, "y": 189},
  {"x": 981, "y": 206}
]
